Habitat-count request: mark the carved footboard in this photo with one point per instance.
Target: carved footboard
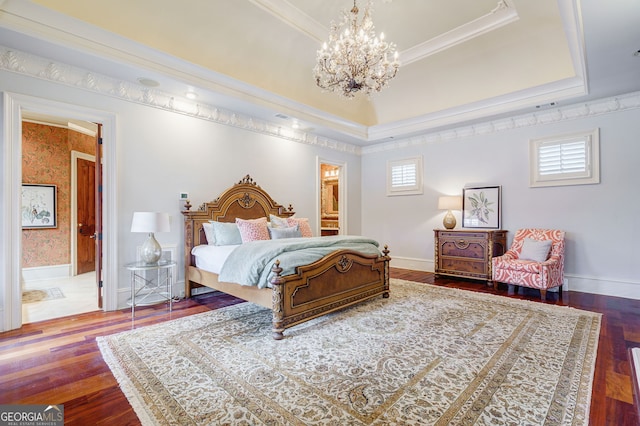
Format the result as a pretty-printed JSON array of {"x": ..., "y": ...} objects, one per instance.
[{"x": 338, "y": 280}]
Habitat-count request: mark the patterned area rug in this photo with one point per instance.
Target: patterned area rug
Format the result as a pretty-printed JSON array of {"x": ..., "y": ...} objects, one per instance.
[
  {"x": 427, "y": 355},
  {"x": 31, "y": 296}
]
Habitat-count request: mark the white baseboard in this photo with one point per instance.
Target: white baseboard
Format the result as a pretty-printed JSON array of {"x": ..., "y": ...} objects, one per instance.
[
  {"x": 201, "y": 290},
  {"x": 635, "y": 367},
  {"x": 413, "y": 264},
  {"x": 40, "y": 273},
  {"x": 124, "y": 293},
  {"x": 606, "y": 287},
  {"x": 603, "y": 286}
]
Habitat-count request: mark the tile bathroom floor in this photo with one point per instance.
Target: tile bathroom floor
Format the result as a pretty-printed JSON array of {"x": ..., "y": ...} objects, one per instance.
[{"x": 80, "y": 295}]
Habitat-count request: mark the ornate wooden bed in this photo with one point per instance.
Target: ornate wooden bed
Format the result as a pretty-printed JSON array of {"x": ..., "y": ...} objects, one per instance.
[{"x": 339, "y": 279}]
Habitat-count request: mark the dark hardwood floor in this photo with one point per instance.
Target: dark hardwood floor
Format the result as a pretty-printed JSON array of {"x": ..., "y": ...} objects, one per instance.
[{"x": 58, "y": 361}]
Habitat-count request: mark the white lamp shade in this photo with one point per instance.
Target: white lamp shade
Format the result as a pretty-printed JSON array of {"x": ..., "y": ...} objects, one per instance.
[
  {"x": 450, "y": 203},
  {"x": 150, "y": 222}
]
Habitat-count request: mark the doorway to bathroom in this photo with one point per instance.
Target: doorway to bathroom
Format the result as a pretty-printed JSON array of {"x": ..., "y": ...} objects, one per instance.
[{"x": 331, "y": 199}]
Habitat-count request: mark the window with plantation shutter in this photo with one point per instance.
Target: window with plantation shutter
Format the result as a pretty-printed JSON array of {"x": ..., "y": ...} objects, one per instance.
[
  {"x": 404, "y": 177},
  {"x": 571, "y": 159}
]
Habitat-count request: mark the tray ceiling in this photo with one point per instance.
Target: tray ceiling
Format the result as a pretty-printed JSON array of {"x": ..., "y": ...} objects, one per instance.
[{"x": 461, "y": 60}]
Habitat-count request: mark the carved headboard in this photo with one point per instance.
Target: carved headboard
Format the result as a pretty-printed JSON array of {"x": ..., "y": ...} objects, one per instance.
[{"x": 244, "y": 200}]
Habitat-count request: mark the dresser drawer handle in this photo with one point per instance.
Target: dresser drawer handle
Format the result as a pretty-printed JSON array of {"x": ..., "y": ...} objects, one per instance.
[{"x": 462, "y": 244}]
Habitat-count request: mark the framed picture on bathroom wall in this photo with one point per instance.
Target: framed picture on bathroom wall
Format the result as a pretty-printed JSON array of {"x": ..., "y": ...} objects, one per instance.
[{"x": 38, "y": 208}]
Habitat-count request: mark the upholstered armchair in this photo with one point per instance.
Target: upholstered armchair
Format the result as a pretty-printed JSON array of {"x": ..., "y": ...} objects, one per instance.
[{"x": 535, "y": 259}]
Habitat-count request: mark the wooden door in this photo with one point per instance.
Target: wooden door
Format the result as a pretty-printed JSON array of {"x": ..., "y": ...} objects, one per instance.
[{"x": 86, "y": 214}]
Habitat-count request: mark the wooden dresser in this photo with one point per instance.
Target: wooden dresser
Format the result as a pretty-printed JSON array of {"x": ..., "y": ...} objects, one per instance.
[{"x": 467, "y": 253}]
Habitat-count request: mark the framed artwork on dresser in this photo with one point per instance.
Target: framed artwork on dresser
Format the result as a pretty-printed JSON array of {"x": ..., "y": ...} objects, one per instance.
[{"x": 481, "y": 207}]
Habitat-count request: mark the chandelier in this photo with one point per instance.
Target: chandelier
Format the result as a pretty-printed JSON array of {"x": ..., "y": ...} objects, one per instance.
[{"x": 355, "y": 59}]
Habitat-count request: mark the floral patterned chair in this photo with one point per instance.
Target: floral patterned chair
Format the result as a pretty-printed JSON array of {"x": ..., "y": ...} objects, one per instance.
[{"x": 535, "y": 259}]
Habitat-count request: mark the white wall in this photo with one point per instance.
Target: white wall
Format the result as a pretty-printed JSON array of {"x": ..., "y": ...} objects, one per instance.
[
  {"x": 160, "y": 153},
  {"x": 601, "y": 220},
  {"x": 163, "y": 154}
]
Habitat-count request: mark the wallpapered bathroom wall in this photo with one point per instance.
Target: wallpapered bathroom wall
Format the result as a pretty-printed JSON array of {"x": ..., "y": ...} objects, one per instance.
[{"x": 46, "y": 159}]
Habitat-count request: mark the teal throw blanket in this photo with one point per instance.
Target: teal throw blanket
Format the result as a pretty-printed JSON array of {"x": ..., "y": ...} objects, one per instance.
[{"x": 250, "y": 263}]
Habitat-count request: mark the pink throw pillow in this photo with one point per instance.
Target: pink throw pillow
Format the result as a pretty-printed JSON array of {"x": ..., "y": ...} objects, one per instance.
[
  {"x": 253, "y": 229},
  {"x": 303, "y": 225}
]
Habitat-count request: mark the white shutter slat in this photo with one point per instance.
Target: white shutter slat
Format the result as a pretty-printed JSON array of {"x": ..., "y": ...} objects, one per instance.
[
  {"x": 404, "y": 177},
  {"x": 570, "y": 159},
  {"x": 562, "y": 158}
]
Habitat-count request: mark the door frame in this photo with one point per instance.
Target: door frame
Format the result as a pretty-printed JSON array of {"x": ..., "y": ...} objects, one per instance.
[
  {"x": 10, "y": 224},
  {"x": 75, "y": 155},
  {"x": 342, "y": 194}
]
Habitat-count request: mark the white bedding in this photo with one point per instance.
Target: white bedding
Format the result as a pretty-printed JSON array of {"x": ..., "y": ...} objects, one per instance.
[{"x": 210, "y": 257}]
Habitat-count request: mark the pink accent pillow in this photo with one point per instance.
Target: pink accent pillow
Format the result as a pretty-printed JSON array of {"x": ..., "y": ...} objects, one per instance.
[
  {"x": 303, "y": 225},
  {"x": 253, "y": 229}
]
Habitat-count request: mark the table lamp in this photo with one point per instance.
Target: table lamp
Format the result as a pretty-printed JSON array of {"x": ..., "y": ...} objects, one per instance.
[
  {"x": 150, "y": 222},
  {"x": 449, "y": 203}
]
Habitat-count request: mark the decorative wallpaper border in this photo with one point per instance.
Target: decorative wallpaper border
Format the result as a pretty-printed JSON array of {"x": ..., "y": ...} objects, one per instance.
[
  {"x": 35, "y": 66},
  {"x": 38, "y": 67},
  {"x": 548, "y": 116}
]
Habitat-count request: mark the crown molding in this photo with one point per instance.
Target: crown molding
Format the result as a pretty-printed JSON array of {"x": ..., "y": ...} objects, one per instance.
[
  {"x": 34, "y": 66},
  {"x": 31, "y": 19},
  {"x": 44, "y": 69},
  {"x": 294, "y": 17},
  {"x": 541, "y": 95},
  {"x": 35, "y": 21},
  {"x": 566, "y": 113},
  {"x": 504, "y": 13}
]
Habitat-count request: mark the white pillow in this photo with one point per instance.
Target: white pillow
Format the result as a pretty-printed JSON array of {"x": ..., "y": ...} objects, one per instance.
[
  {"x": 536, "y": 250},
  {"x": 226, "y": 233},
  {"x": 208, "y": 232},
  {"x": 278, "y": 222},
  {"x": 303, "y": 225},
  {"x": 290, "y": 232}
]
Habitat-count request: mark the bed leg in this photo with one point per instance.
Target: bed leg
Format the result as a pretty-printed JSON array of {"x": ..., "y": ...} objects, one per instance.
[{"x": 277, "y": 302}]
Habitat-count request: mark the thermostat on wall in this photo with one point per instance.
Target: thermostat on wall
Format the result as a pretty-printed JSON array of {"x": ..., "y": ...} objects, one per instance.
[{"x": 184, "y": 196}]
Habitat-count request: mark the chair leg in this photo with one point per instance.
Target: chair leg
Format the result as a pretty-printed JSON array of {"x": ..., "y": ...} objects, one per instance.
[{"x": 543, "y": 294}]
